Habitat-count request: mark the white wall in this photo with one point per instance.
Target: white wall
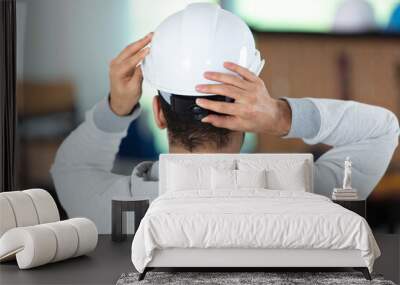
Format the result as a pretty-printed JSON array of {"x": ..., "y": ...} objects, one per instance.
[{"x": 75, "y": 40}]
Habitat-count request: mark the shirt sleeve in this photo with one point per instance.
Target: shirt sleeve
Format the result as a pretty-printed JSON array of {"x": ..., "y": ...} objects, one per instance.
[
  {"x": 105, "y": 119},
  {"x": 367, "y": 134},
  {"x": 81, "y": 171}
]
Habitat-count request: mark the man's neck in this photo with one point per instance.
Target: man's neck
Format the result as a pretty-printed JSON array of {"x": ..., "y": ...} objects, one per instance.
[{"x": 233, "y": 146}]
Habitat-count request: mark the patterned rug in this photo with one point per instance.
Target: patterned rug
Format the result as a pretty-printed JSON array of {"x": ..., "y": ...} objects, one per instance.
[{"x": 244, "y": 278}]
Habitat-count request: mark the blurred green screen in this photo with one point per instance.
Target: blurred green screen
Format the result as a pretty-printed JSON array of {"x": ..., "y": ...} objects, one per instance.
[{"x": 303, "y": 15}]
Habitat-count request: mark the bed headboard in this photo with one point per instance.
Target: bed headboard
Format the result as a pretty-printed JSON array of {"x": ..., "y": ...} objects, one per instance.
[{"x": 307, "y": 158}]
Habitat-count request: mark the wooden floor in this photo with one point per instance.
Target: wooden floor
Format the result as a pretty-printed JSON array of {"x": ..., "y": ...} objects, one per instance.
[{"x": 110, "y": 260}]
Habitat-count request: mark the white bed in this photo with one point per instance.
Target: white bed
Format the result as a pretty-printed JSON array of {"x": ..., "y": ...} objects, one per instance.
[{"x": 206, "y": 226}]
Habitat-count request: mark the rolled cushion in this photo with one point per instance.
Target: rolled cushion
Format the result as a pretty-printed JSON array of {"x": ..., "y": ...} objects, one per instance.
[
  {"x": 67, "y": 240},
  {"x": 32, "y": 246},
  {"x": 87, "y": 234},
  {"x": 45, "y": 205},
  {"x": 7, "y": 219},
  {"x": 40, "y": 244},
  {"x": 26, "y": 208},
  {"x": 23, "y": 208}
]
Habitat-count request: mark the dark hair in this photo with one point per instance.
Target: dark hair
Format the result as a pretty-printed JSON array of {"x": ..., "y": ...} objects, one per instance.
[{"x": 191, "y": 133}]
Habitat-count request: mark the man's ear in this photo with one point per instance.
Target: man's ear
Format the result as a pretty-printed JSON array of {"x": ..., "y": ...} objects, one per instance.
[{"x": 158, "y": 113}]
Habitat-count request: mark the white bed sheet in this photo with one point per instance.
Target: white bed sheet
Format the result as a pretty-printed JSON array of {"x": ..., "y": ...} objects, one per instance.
[{"x": 252, "y": 218}]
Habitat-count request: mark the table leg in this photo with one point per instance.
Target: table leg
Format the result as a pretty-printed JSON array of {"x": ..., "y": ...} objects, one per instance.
[{"x": 116, "y": 223}]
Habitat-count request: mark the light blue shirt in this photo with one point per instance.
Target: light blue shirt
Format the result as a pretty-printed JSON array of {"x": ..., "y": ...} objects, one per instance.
[{"x": 368, "y": 134}]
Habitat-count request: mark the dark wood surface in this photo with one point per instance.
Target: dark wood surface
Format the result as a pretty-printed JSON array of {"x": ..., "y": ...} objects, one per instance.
[{"x": 357, "y": 206}]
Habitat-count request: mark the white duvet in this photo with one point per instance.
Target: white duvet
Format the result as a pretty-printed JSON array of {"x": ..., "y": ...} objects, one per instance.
[{"x": 250, "y": 219}]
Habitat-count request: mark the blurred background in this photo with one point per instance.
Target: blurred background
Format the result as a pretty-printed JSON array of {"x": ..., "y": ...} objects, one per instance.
[{"x": 342, "y": 49}]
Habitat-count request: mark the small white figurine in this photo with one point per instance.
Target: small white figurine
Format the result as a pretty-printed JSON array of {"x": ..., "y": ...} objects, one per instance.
[{"x": 347, "y": 174}]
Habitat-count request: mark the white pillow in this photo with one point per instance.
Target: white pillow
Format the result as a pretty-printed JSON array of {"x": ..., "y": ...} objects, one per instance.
[
  {"x": 226, "y": 179},
  {"x": 293, "y": 180},
  {"x": 187, "y": 175},
  {"x": 251, "y": 178},
  {"x": 223, "y": 179},
  {"x": 288, "y": 174}
]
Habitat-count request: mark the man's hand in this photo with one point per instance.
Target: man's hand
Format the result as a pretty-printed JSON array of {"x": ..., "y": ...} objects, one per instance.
[
  {"x": 126, "y": 77},
  {"x": 254, "y": 110}
]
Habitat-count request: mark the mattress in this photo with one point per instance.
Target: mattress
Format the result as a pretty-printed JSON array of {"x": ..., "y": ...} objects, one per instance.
[{"x": 250, "y": 219}]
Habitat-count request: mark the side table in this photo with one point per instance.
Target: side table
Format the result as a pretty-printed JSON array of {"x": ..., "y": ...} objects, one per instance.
[
  {"x": 121, "y": 205},
  {"x": 357, "y": 206}
]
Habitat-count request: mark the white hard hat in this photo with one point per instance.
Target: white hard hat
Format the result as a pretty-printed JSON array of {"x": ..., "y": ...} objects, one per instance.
[
  {"x": 197, "y": 39},
  {"x": 354, "y": 16}
]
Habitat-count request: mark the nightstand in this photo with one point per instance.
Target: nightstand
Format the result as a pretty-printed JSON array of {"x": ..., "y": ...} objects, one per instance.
[
  {"x": 121, "y": 205},
  {"x": 357, "y": 206}
]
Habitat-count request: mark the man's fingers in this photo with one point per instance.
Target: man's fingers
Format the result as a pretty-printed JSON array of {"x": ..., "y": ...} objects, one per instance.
[
  {"x": 220, "y": 121},
  {"x": 134, "y": 48},
  {"x": 226, "y": 78},
  {"x": 129, "y": 65},
  {"x": 220, "y": 89},
  {"x": 137, "y": 77},
  {"x": 244, "y": 72},
  {"x": 218, "y": 106}
]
